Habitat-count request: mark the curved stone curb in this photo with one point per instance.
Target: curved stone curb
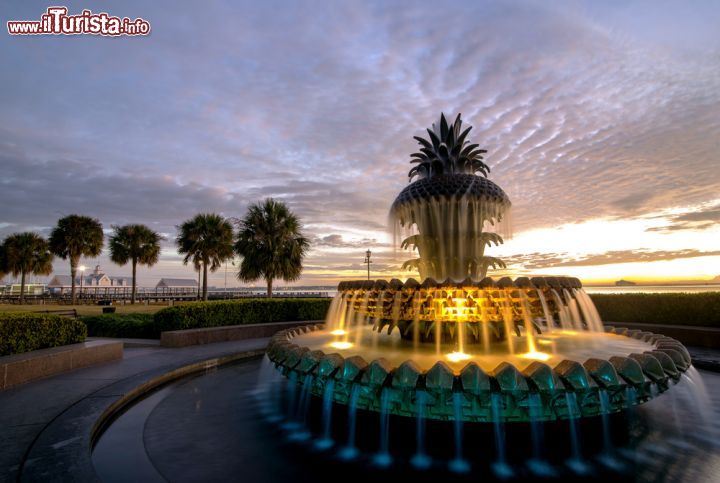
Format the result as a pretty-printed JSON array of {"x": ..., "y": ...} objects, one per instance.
[
  {"x": 28, "y": 366},
  {"x": 63, "y": 450},
  {"x": 570, "y": 389}
]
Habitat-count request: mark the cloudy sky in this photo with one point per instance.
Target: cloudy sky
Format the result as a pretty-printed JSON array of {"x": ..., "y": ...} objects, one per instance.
[{"x": 601, "y": 121}]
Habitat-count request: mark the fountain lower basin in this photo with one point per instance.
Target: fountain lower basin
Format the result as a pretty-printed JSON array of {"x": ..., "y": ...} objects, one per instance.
[{"x": 589, "y": 374}]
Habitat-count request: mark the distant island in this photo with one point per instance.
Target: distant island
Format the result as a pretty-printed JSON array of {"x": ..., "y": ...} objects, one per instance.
[{"x": 624, "y": 283}]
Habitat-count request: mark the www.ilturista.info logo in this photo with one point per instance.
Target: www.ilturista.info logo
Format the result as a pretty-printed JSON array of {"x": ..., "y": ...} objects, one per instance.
[{"x": 56, "y": 21}]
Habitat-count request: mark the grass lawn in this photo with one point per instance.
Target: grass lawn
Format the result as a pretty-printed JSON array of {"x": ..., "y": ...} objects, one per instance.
[{"x": 138, "y": 308}]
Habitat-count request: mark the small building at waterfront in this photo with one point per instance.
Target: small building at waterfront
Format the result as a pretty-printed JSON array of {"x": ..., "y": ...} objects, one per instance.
[
  {"x": 174, "y": 285},
  {"x": 96, "y": 282}
]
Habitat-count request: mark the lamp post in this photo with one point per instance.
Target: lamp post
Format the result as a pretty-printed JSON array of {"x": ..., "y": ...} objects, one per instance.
[
  {"x": 367, "y": 260},
  {"x": 81, "y": 268}
]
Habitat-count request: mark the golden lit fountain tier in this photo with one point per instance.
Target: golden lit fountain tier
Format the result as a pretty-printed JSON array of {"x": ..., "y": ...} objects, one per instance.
[
  {"x": 475, "y": 348},
  {"x": 469, "y": 312}
]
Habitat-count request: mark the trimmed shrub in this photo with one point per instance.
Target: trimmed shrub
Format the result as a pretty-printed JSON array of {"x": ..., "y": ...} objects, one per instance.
[
  {"x": 28, "y": 331},
  {"x": 206, "y": 314},
  {"x": 244, "y": 311},
  {"x": 701, "y": 309},
  {"x": 138, "y": 326}
]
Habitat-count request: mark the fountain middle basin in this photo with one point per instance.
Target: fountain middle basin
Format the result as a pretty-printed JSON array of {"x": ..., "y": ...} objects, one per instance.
[
  {"x": 309, "y": 357},
  {"x": 556, "y": 347}
]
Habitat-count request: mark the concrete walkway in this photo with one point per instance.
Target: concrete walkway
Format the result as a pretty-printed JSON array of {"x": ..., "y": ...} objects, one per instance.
[{"x": 28, "y": 410}]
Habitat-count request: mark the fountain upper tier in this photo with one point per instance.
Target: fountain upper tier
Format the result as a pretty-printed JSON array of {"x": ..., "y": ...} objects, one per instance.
[
  {"x": 466, "y": 312},
  {"x": 446, "y": 215}
]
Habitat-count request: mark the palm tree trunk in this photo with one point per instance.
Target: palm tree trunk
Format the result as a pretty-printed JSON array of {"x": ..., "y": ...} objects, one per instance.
[
  {"x": 22, "y": 288},
  {"x": 269, "y": 287},
  {"x": 205, "y": 295},
  {"x": 132, "y": 297},
  {"x": 73, "y": 271}
]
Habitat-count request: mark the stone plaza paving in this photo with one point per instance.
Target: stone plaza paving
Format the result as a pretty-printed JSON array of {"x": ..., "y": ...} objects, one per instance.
[{"x": 30, "y": 412}]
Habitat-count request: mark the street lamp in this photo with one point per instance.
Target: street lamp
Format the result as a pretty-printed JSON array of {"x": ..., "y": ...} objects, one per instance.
[
  {"x": 367, "y": 260},
  {"x": 81, "y": 268}
]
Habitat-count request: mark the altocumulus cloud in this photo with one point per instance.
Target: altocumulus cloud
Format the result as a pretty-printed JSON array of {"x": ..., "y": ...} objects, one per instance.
[{"x": 586, "y": 110}]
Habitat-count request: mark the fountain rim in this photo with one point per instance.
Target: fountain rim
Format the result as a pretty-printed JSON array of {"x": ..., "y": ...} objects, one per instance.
[
  {"x": 648, "y": 375},
  {"x": 487, "y": 283}
]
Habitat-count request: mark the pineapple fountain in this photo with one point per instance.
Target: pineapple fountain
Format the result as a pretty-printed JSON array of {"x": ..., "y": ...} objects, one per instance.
[{"x": 460, "y": 348}]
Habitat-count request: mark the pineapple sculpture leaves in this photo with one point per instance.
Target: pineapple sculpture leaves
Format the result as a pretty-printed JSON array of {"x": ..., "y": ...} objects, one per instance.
[{"x": 447, "y": 152}]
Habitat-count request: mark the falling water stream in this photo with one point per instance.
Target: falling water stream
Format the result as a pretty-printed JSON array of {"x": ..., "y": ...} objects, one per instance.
[
  {"x": 537, "y": 463},
  {"x": 350, "y": 452},
  {"x": 420, "y": 460},
  {"x": 458, "y": 464},
  {"x": 301, "y": 431},
  {"x": 326, "y": 440},
  {"x": 500, "y": 466},
  {"x": 576, "y": 462},
  {"x": 292, "y": 388},
  {"x": 383, "y": 458}
]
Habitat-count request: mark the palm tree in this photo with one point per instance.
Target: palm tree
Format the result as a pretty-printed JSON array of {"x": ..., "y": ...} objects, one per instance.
[
  {"x": 271, "y": 244},
  {"x": 135, "y": 244},
  {"x": 76, "y": 236},
  {"x": 26, "y": 253},
  {"x": 3, "y": 262},
  {"x": 207, "y": 241}
]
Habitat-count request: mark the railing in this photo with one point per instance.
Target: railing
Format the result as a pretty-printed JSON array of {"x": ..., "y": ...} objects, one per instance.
[{"x": 116, "y": 294}]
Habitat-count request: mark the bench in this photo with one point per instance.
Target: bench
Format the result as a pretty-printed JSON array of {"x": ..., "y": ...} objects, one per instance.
[{"x": 72, "y": 313}]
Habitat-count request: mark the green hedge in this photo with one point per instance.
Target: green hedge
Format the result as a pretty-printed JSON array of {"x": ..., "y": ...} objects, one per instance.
[
  {"x": 28, "y": 331},
  {"x": 137, "y": 326},
  {"x": 701, "y": 309},
  {"x": 243, "y": 311},
  {"x": 206, "y": 314}
]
